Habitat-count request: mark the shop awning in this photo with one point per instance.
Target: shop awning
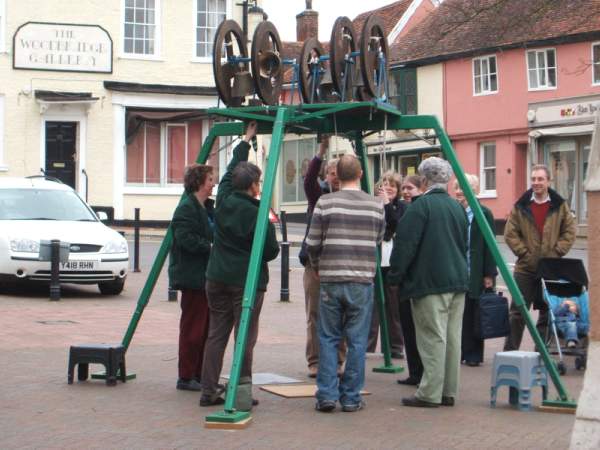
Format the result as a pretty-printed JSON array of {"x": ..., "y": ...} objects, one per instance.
[
  {"x": 575, "y": 130},
  {"x": 160, "y": 88},
  {"x": 136, "y": 117}
]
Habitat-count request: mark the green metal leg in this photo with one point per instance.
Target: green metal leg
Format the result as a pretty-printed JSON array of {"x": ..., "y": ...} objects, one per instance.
[
  {"x": 387, "y": 367},
  {"x": 431, "y": 122},
  {"x": 230, "y": 414}
]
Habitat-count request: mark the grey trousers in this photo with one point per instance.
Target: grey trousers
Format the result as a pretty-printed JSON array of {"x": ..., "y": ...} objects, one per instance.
[{"x": 225, "y": 307}]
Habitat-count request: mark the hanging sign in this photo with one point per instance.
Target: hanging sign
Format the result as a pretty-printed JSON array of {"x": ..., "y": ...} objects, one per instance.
[{"x": 62, "y": 47}]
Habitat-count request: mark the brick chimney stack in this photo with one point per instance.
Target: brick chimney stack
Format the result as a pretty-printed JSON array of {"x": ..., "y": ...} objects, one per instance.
[{"x": 307, "y": 23}]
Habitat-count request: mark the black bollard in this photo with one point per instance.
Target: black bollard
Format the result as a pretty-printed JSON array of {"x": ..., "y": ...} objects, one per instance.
[
  {"x": 136, "y": 241},
  {"x": 285, "y": 261},
  {"x": 55, "y": 270}
]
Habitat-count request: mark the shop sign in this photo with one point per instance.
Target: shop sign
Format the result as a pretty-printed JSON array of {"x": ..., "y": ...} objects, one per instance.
[
  {"x": 580, "y": 110},
  {"x": 576, "y": 110},
  {"x": 62, "y": 47}
]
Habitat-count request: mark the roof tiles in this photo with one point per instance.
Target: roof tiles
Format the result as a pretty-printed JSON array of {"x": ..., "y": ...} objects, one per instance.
[{"x": 460, "y": 27}]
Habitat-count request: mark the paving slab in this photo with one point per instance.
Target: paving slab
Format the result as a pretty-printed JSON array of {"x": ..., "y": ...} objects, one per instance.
[{"x": 39, "y": 409}]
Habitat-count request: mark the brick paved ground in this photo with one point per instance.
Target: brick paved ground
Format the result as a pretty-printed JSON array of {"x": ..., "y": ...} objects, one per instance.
[{"x": 39, "y": 410}]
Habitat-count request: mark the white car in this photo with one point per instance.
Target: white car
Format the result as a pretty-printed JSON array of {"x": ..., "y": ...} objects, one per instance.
[{"x": 38, "y": 209}]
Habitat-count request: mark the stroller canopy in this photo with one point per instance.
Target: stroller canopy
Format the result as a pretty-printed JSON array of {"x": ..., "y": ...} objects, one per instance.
[{"x": 571, "y": 273}]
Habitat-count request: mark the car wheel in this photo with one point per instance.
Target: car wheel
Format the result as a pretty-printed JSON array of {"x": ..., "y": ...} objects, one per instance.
[{"x": 114, "y": 287}]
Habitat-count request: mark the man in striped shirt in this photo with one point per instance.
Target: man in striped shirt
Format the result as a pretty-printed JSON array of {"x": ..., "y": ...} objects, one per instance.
[{"x": 342, "y": 243}]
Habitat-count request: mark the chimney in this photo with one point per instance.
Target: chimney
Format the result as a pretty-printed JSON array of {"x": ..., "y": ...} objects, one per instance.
[{"x": 307, "y": 23}]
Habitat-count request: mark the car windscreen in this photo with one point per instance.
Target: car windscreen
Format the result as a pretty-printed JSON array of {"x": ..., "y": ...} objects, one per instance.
[{"x": 42, "y": 204}]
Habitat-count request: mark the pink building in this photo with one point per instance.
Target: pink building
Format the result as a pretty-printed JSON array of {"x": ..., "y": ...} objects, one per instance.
[{"x": 515, "y": 92}]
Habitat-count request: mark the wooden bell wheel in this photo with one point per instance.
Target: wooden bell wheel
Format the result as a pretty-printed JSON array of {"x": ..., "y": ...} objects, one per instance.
[
  {"x": 309, "y": 66},
  {"x": 373, "y": 42},
  {"x": 343, "y": 42},
  {"x": 229, "y": 43},
  {"x": 267, "y": 66}
]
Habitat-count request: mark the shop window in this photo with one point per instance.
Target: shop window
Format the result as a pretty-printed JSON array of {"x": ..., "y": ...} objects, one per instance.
[
  {"x": 159, "y": 151},
  {"x": 562, "y": 156},
  {"x": 403, "y": 90},
  {"x": 487, "y": 173},
  {"x": 485, "y": 76},
  {"x": 209, "y": 14},
  {"x": 296, "y": 156},
  {"x": 596, "y": 63},
  {"x": 141, "y": 27},
  {"x": 541, "y": 69}
]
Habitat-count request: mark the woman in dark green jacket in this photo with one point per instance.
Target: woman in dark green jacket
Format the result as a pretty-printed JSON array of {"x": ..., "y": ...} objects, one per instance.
[
  {"x": 482, "y": 271},
  {"x": 192, "y": 238}
]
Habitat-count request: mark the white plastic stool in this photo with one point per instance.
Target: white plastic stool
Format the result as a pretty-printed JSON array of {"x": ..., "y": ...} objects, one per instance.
[{"x": 520, "y": 371}]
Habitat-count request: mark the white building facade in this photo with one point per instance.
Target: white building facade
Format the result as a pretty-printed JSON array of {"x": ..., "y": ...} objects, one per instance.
[{"x": 109, "y": 97}]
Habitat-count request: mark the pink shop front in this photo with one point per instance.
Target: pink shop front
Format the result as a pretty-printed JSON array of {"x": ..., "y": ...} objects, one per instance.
[{"x": 560, "y": 137}]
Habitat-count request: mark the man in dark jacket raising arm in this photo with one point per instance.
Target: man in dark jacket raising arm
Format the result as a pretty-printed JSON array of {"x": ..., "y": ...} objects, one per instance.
[
  {"x": 235, "y": 221},
  {"x": 429, "y": 264}
]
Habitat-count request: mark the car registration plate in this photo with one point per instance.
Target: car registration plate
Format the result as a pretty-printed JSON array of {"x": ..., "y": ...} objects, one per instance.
[{"x": 79, "y": 265}]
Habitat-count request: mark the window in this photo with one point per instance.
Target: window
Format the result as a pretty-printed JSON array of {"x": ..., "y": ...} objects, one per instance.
[
  {"x": 488, "y": 168},
  {"x": 2, "y": 28},
  {"x": 141, "y": 27},
  {"x": 541, "y": 68},
  {"x": 595, "y": 63},
  {"x": 209, "y": 14},
  {"x": 403, "y": 90},
  {"x": 485, "y": 76},
  {"x": 296, "y": 156},
  {"x": 159, "y": 151}
]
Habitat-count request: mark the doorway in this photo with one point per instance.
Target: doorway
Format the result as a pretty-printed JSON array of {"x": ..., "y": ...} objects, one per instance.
[{"x": 61, "y": 151}]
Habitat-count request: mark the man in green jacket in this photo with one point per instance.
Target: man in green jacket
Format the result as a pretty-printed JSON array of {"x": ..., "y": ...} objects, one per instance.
[
  {"x": 540, "y": 225},
  {"x": 192, "y": 238},
  {"x": 429, "y": 264},
  {"x": 235, "y": 221}
]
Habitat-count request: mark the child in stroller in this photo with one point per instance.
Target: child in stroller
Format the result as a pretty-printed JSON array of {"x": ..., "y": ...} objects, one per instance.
[
  {"x": 564, "y": 284},
  {"x": 569, "y": 321}
]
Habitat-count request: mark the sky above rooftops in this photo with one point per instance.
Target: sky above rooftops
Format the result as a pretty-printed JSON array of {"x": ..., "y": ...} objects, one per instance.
[{"x": 283, "y": 13}]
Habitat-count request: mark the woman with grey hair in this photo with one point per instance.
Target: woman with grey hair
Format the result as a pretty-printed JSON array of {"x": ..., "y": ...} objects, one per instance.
[{"x": 429, "y": 265}]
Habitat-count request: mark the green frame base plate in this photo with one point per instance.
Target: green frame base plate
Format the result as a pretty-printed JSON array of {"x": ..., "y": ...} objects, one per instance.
[
  {"x": 388, "y": 369},
  {"x": 227, "y": 417},
  {"x": 567, "y": 404},
  {"x": 102, "y": 376}
]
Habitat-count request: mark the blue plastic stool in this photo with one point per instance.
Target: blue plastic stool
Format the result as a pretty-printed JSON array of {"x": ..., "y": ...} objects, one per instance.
[{"x": 520, "y": 371}]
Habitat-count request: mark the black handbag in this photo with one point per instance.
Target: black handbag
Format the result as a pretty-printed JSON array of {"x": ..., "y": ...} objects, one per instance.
[{"x": 492, "y": 320}]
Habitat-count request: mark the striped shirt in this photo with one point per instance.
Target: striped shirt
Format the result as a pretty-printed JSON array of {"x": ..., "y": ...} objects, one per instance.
[{"x": 344, "y": 232}]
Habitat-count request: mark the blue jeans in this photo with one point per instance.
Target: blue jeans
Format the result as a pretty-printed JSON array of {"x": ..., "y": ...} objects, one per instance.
[
  {"x": 569, "y": 327},
  {"x": 344, "y": 311}
]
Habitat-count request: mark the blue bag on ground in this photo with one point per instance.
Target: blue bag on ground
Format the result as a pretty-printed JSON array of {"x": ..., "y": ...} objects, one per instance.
[{"x": 493, "y": 316}]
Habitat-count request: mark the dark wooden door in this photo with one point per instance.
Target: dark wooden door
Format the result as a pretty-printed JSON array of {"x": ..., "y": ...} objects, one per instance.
[{"x": 61, "y": 151}]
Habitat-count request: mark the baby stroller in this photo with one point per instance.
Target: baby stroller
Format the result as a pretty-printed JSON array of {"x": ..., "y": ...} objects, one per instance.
[{"x": 565, "y": 279}]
